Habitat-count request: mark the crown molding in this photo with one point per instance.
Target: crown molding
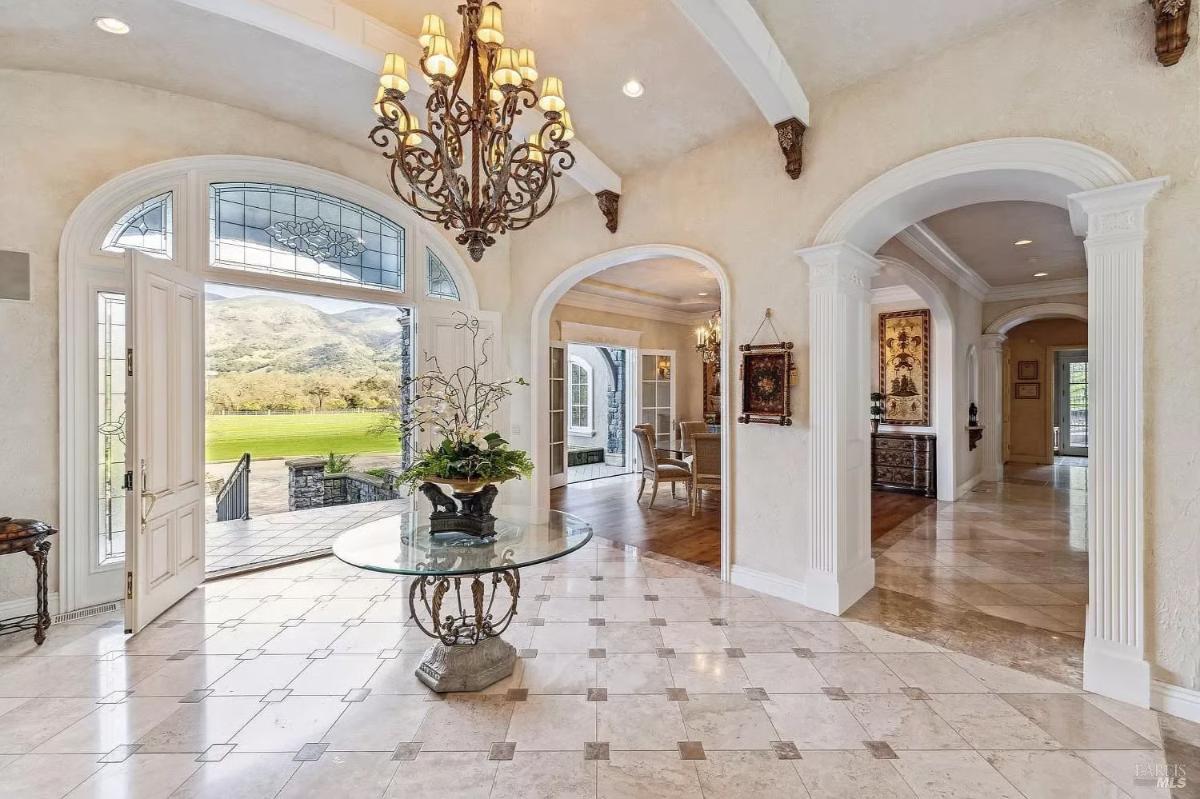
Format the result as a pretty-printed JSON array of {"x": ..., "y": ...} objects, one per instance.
[
  {"x": 626, "y": 307},
  {"x": 937, "y": 253},
  {"x": 1042, "y": 288},
  {"x": 889, "y": 295}
]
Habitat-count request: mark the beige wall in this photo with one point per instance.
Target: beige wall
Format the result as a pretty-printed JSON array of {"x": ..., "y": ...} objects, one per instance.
[
  {"x": 1027, "y": 422},
  {"x": 656, "y": 335},
  {"x": 1078, "y": 70},
  {"x": 48, "y": 164}
]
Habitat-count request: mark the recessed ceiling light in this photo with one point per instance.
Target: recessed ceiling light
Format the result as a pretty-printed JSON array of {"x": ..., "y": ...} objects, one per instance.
[
  {"x": 1040, "y": 274},
  {"x": 1023, "y": 242},
  {"x": 633, "y": 88},
  {"x": 702, "y": 294},
  {"x": 112, "y": 25}
]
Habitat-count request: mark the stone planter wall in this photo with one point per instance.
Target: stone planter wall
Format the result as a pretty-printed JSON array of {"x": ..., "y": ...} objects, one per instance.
[{"x": 310, "y": 487}]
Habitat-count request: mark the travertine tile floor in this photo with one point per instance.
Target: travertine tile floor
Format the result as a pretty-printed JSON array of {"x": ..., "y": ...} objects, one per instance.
[{"x": 298, "y": 681}]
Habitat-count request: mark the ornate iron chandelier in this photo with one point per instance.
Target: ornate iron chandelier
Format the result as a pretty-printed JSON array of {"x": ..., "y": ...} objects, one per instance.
[
  {"x": 463, "y": 169},
  {"x": 708, "y": 339}
]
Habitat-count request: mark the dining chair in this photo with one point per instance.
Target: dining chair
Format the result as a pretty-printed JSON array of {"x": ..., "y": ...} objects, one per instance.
[
  {"x": 706, "y": 465},
  {"x": 659, "y": 468},
  {"x": 687, "y": 430}
]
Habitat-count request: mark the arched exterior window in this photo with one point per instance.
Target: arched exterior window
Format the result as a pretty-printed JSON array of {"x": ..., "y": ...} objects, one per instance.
[
  {"x": 580, "y": 388},
  {"x": 146, "y": 226},
  {"x": 285, "y": 230},
  {"x": 438, "y": 280}
]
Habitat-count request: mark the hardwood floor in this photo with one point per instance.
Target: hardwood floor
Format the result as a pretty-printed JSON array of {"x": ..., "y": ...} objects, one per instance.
[
  {"x": 889, "y": 508},
  {"x": 668, "y": 528}
]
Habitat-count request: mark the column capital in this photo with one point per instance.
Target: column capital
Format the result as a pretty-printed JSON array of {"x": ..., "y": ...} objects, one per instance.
[
  {"x": 1114, "y": 211},
  {"x": 992, "y": 341},
  {"x": 839, "y": 265}
]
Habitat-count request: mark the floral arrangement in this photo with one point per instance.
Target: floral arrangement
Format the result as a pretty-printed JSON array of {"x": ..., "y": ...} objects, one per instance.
[{"x": 458, "y": 407}]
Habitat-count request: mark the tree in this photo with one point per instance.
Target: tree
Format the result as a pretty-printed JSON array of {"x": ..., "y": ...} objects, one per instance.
[{"x": 318, "y": 390}]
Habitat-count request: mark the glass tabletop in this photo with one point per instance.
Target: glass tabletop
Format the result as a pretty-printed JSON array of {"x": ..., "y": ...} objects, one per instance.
[{"x": 402, "y": 544}]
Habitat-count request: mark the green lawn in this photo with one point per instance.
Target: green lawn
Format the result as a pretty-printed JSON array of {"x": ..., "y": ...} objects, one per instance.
[{"x": 294, "y": 435}]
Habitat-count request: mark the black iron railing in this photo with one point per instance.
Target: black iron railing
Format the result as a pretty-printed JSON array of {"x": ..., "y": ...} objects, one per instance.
[{"x": 233, "y": 499}]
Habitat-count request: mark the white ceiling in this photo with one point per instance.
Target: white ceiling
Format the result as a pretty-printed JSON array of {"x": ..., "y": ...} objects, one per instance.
[
  {"x": 665, "y": 284},
  {"x": 982, "y": 236},
  {"x": 595, "y": 46},
  {"x": 831, "y": 44}
]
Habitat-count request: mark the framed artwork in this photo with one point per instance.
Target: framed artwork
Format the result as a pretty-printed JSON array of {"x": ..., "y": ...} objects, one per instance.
[
  {"x": 1027, "y": 391},
  {"x": 712, "y": 393},
  {"x": 766, "y": 383},
  {"x": 904, "y": 367},
  {"x": 1027, "y": 370}
]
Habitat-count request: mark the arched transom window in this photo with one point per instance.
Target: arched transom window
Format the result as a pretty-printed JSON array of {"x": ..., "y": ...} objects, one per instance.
[
  {"x": 438, "y": 280},
  {"x": 285, "y": 230},
  {"x": 146, "y": 226}
]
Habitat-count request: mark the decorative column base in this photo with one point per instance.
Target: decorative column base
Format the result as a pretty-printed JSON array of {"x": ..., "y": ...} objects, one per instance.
[
  {"x": 467, "y": 667},
  {"x": 1115, "y": 671},
  {"x": 835, "y": 593}
]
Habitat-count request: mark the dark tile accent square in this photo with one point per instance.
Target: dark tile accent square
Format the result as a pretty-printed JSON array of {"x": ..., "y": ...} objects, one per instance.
[
  {"x": 230, "y": 623},
  {"x": 389, "y": 654},
  {"x": 546, "y": 578},
  {"x": 380, "y": 598},
  {"x": 658, "y": 622},
  {"x": 516, "y": 694},
  {"x": 356, "y": 694},
  {"x": 502, "y": 750},
  {"x": 536, "y": 622},
  {"x": 541, "y": 597},
  {"x": 597, "y": 695},
  {"x": 880, "y": 750},
  {"x": 597, "y": 653},
  {"x": 595, "y": 597},
  {"x": 677, "y": 695},
  {"x": 311, "y": 752},
  {"x": 195, "y": 695},
  {"x": 215, "y": 753},
  {"x": 292, "y": 623},
  {"x": 108, "y": 625},
  {"x": 120, "y": 754},
  {"x": 278, "y": 695},
  {"x": 836, "y": 693},
  {"x": 319, "y": 654},
  {"x": 650, "y": 597},
  {"x": 595, "y": 750},
  {"x": 162, "y": 625},
  {"x": 915, "y": 693},
  {"x": 115, "y": 698},
  {"x": 352, "y": 622},
  {"x": 271, "y": 597},
  {"x": 527, "y": 653},
  {"x": 718, "y": 622},
  {"x": 406, "y": 751},
  {"x": 250, "y": 654},
  {"x": 757, "y": 695},
  {"x": 324, "y": 597},
  {"x": 734, "y": 652},
  {"x": 595, "y": 578},
  {"x": 785, "y": 750},
  {"x": 803, "y": 652},
  {"x": 666, "y": 652},
  {"x": 691, "y": 750},
  {"x": 180, "y": 655},
  {"x": 595, "y": 622}
]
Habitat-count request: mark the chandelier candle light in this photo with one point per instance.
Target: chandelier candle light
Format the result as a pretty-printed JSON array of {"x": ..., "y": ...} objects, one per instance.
[
  {"x": 465, "y": 169},
  {"x": 708, "y": 339}
]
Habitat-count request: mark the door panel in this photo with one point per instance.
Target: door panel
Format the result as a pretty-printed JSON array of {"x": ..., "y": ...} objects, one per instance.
[
  {"x": 1071, "y": 402},
  {"x": 558, "y": 414},
  {"x": 656, "y": 389},
  {"x": 165, "y": 549}
]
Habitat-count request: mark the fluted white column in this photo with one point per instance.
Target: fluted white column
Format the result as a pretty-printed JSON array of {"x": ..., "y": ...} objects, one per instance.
[
  {"x": 1114, "y": 653},
  {"x": 840, "y": 567},
  {"x": 991, "y": 404}
]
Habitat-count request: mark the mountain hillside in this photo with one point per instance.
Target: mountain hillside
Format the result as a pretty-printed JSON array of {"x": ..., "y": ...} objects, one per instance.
[{"x": 280, "y": 335}]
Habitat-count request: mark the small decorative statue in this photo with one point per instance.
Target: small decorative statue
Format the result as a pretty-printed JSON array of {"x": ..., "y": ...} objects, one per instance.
[
  {"x": 876, "y": 410},
  {"x": 973, "y": 415}
]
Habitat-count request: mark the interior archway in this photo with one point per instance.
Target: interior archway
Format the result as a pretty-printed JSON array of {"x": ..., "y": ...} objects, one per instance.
[{"x": 540, "y": 342}]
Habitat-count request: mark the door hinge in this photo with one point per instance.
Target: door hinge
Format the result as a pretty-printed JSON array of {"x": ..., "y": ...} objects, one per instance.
[
  {"x": 129, "y": 361},
  {"x": 127, "y": 483},
  {"x": 129, "y": 585}
]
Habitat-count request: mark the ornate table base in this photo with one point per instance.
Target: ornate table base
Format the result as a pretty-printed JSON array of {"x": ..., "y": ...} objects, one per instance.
[
  {"x": 29, "y": 536},
  {"x": 469, "y": 654},
  {"x": 467, "y": 667}
]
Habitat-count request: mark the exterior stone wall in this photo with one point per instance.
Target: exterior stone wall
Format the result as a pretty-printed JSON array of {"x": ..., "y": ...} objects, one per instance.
[
  {"x": 310, "y": 487},
  {"x": 306, "y": 483}
]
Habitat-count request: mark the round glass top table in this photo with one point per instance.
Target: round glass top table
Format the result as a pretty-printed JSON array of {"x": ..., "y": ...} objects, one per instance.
[{"x": 465, "y": 588}]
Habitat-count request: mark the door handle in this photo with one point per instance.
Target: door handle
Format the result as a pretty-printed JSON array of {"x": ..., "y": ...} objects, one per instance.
[{"x": 152, "y": 496}]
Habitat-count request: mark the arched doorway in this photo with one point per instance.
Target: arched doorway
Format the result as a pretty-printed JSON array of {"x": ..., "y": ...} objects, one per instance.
[
  {"x": 1107, "y": 207},
  {"x": 540, "y": 343}
]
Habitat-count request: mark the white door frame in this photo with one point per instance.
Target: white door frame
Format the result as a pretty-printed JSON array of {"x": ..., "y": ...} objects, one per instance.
[
  {"x": 1053, "y": 387},
  {"x": 631, "y": 352},
  {"x": 1107, "y": 207},
  {"x": 540, "y": 340},
  {"x": 85, "y": 267}
]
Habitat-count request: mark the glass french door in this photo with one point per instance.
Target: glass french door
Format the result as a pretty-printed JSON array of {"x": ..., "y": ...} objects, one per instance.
[
  {"x": 1071, "y": 411},
  {"x": 558, "y": 414},
  {"x": 656, "y": 384}
]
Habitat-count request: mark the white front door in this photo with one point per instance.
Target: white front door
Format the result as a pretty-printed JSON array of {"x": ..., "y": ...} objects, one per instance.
[{"x": 164, "y": 555}]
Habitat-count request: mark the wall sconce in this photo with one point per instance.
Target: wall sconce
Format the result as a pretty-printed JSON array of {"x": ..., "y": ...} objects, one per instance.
[{"x": 664, "y": 368}]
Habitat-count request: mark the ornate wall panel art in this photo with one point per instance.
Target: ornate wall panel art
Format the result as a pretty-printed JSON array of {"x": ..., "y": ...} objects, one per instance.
[{"x": 904, "y": 367}]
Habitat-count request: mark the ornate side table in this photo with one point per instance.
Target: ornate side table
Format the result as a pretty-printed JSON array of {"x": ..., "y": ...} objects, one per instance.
[
  {"x": 32, "y": 537},
  {"x": 464, "y": 590}
]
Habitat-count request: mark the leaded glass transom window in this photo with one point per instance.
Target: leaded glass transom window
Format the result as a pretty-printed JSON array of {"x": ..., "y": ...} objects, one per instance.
[
  {"x": 146, "y": 226},
  {"x": 439, "y": 282},
  {"x": 110, "y": 426},
  {"x": 285, "y": 230}
]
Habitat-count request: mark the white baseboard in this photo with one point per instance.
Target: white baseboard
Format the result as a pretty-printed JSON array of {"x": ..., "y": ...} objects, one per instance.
[
  {"x": 835, "y": 593},
  {"x": 26, "y": 606},
  {"x": 1175, "y": 700},
  {"x": 1116, "y": 671},
  {"x": 965, "y": 487},
  {"x": 767, "y": 583},
  {"x": 1040, "y": 460}
]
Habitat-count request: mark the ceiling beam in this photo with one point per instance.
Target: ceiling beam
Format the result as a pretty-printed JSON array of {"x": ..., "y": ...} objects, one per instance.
[{"x": 342, "y": 31}]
